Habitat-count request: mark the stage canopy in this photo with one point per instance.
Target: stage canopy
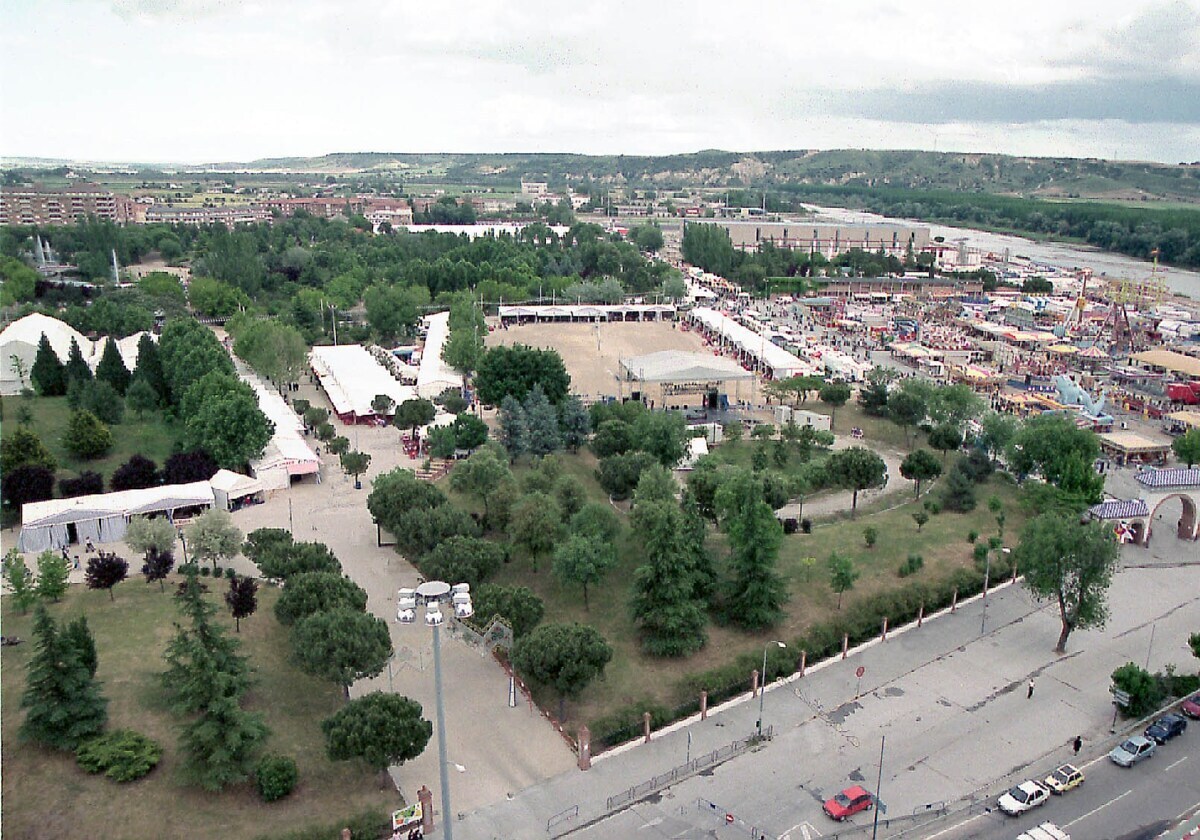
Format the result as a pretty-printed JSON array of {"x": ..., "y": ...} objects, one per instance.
[{"x": 678, "y": 366}]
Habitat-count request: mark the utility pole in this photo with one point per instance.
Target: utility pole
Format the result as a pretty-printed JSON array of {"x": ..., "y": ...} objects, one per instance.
[{"x": 878, "y": 785}]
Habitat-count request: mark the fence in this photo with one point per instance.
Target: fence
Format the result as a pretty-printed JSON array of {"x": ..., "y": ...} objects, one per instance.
[
  {"x": 562, "y": 816},
  {"x": 683, "y": 771}
]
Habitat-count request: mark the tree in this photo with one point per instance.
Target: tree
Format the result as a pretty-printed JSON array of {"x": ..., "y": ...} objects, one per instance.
[
  {"x": 355, "y": 464},
  {"x": 53, "y": 573},
  {"x": 870, "y": 536},
  {"x": 284, "y": 561},
  {"x": 534, "y": 524},
  {"x": 835, "y": 395},
  {"x": 242, "y": 599},
  {"x": 542, "y": 434},
  {"x": 516, "y": 605},
  {"x": 906, "y": 409},
  {"x": 149, "y": 369},
  {"x": 583, "y": 561},
  {"x": 757, "y": 593},
  {"x": 873, "y": 396},
  {"x": 470, "y": 432},
  {"x": 620, "y": 474},
  {"x": 87, "y": 483},
  {"x": 140, "y": 397},
  {"x": 1050, "y": 444},
  {"x": 145, "y": 534},
  {"x": 842, "y": 575},
  {"x": 856, "y": 469},
  {"x": 954, "y": 405},
  {"x": 48, "y": 374},
  {"x": 21, "y": 584},
  {"x": 958, "y": 490},
  {"x": 514, "y": 428},
  {"x": 920, "y": 465},
  {"x": 1187, "y": 447},
  {"x": 381, "y": 729},
  {"x": 565, "y": 657},
  {"x": 157, "y": 566},
  {"x": 1141, "y": 686},
  {"x": 78, "y": 637},
  {"x": 481, "y": 476},
  {"x": 203, "y": 663},
  {"x": 135, "y": 474},
  {"x": 413, "y": 414},
  {"x": 1072, "y": 563},
  {"x": 613, "y": 437},
  {"x": 220, "y": 746},
  {"x": 65, "y": 707},
  {"x": 944, "y": 438},
  {"x": 104, "y": 571},
  {"x": 382, "y": 404},
  {"x": 111, "y": 368},
  {"x": 213, "y": 536},
  {"x": 996, "y": 432},
  {"x": 647, "y": 237},
  {"x": 574, "y": 422},
  {"x": 341, "y": 645},
  {"x": 441, "y": 442},
  {"x": 76, "y": 369},
  {"x": 86, "y": 437},
  {"x": 513, "y": 371},
  {"x": 463, "y": 559},
  {"x": 596, "y": 521},
  {"x": 223, "y": 419},
  {"x": 669, "y": 615},
  {"x": 397, "y": 493},
  {"x": 663, "y": 434},
  {"x": 339, "y": 446},
  {"x": 275, "y": 350},
  {"x": 313, "y": 592},
  {"x": 655, "y": 484},
  {"x": 98, "y": 397},
  {"x": 24, "y": 448},
  {"x": 920, "y": 517},
  {"x": 27, "y": 484}
]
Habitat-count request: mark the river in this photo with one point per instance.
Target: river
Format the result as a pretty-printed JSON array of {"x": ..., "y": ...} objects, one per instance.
[{"x": 1104, "y": 263}]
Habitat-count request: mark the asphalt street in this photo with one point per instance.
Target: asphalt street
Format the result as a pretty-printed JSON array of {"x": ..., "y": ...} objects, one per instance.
[{"x": 952, "y": 703}]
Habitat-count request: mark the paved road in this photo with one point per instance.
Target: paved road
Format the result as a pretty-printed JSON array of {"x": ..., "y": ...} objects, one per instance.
[
  {"x": 951, "y": 702},
  {"x": 1113, "y": 804}
]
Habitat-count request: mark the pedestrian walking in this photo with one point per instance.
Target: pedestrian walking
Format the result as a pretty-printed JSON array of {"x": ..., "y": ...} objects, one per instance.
[
  {"x": 1078, "y": 745},
  {"x": 1029, "y": 695}
]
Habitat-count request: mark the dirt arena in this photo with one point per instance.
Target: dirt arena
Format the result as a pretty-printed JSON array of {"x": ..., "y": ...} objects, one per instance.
[{"x": 591, "y": 351}]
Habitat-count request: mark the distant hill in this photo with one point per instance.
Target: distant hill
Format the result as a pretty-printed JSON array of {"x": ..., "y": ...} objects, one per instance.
[{"x": 1001, "y": 174}]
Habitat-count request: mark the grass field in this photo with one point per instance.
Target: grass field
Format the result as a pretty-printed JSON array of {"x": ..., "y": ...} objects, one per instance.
[
  {"x": 47, "y": 796},
  {"x": 151, "y": 437},
  {"x": 632, "y": 677}
]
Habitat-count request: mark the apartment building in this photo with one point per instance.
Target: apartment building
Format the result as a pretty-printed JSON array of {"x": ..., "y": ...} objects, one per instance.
[{"x": 41, "y": 206}]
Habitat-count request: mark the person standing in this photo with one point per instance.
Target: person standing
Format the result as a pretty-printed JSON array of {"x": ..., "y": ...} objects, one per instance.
[
  {"x": 1078, "y": 744},
  {"x": 1029, "y": 695}
]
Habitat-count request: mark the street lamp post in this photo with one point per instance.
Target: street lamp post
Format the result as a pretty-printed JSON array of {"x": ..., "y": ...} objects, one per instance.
[
  {"x": 762, "y": 689},
  {"x": 183, "y": 542},
  {"x": 433, "y": 595}
]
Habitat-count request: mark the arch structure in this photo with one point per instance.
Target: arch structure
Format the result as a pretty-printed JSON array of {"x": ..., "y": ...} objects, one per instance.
[
  {"x": 1130, "y": 519},
  {"x": 1162, "y": 486}
]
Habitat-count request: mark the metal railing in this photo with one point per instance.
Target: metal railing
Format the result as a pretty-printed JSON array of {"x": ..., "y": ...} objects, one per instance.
[{"x": 562, "y": 816}]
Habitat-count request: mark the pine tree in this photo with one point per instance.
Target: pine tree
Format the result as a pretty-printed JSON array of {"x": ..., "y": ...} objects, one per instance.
[
  {"x": 514, "y": 433},
  {"x": 78, "y": 637},
  {"x": 52, "y": 575},
  {"x": 757, "y": 593},
  {"x": 149, "y": 368},
  {"x": 220, "y": 746},
  {"x": 664, "y": 606},
  {"x": 541, "y": 423},
  {"x": 112, "y": 368},
  {"x": 575, "y": 422},
  {"x": 63, "y": 698},
  {"x": 77, "y": 369},
  {"x": 47, "y": 374},
  {"x": 202, "y": 660}
]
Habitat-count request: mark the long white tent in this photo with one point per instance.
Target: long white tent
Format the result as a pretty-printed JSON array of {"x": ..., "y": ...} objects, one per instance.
[
  {"x": 435, "y": 375},
  {"x": 103, "y": 517},
  {"x": 584, "y": 312},
  {"x": 352, "y": 378},
  {"x": 774, "y": 359},
  {"x": 287, "y": 453}
]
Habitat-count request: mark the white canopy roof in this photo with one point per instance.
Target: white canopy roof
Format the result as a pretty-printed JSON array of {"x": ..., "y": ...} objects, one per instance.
[
  {"x": 677, "y": 366},
  {"x": 435, "y": 374},
  {"x": 235, "y": 485},
  {"x": 30, "y": 329},
  {"x": 353, "y": 378},
  {"x": 121, "y": 503},
  {"x": 782, "y": 363}
]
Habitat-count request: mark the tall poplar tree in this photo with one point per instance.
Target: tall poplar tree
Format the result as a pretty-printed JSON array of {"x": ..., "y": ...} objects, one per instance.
[
  {"x": 757, "y": 592},
  {"x": 112, "y": 368}
]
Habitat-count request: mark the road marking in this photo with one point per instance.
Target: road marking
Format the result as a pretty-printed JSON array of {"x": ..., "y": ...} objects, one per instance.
[
  {"x": 955, "y": 827},
  {"x": 1096, "y": 810},
  {"x": 807, "y": 830},
  {"x": 1176, "y": 764}
]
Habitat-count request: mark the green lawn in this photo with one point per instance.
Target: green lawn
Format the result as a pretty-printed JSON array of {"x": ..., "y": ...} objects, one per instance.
[
  {"x": 151, "y": 437},
  {"x": 47, "y": 796}
]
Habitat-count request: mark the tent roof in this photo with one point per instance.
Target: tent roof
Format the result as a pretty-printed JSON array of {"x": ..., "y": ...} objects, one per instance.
[
  {"x": 235, "y": 484},
  {"x": 435, "y": 374},
  {"x": 29, "y": 330},
  {"x": 677, "y": 366},
  {"x": 353, "y": 378},
  {"x": 121, "y": 503},
  {"x": 780, "y": 361},
  {"x": 1169, "y": 359}
]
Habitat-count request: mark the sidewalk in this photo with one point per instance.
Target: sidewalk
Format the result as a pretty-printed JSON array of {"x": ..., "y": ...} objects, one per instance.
[{"x": 951, "y": 702}]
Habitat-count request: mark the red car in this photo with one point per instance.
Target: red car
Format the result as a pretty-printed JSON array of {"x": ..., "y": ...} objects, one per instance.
[
  {"x": 849, "y": 802},
  {"x": 1191, "y": 707}
]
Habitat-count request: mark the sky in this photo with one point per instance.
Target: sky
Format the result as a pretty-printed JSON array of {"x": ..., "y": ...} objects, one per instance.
[{"x": 196, "y": 81}]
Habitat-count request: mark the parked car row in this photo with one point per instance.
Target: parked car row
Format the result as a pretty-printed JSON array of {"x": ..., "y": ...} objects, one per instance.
[{"x": 1140, "y": 747}]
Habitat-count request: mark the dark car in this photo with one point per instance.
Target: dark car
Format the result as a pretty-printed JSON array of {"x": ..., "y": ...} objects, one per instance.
[
  {"x": 1191, "y": 707},
  {"x": 1165, "y": 728}
]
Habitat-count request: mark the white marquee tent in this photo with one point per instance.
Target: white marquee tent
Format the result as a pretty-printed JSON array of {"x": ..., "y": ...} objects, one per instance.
[
  {"x": 21, "y": 338},
  {"x": 228, "y": 486},
  {"x": 103, "y": 518},
  {"x": 287, "y": 453},
  {"x": 352, "y": 378},
  {"x": 435, "y": 374}
]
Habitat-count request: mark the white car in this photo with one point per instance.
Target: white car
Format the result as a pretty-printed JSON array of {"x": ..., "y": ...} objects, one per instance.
[{"x": 1024, "y": 797}]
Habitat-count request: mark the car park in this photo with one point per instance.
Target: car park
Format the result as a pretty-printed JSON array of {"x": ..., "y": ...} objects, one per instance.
[
  {"x": 1165, "y": 728},
  {"x": 1191, "y": 707},
  {"x": 849, "y": 802},
  {"x": 1065, "y": 778},
  {"x": 1132, "y": 750},
  {"x": 1024, "y": 797}
]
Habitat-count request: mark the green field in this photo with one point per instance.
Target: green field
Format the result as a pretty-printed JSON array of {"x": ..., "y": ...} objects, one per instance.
[{"x": 47, "y": 796}]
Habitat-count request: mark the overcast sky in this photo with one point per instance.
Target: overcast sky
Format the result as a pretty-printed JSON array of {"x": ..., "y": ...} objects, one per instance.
[{"x": 232, "y": 80}]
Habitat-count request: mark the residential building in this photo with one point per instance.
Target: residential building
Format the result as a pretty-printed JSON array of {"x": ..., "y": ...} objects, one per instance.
[{"x": 41, "y": 206}]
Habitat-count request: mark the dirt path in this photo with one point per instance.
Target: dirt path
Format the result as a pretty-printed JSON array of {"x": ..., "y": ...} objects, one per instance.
[{"x": 838, "y": 501}]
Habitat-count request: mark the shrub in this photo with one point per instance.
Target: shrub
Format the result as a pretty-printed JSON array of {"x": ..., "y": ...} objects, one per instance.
[
  {"x": 870, "y": 535},
  {"x": 275, "y": 777},
  {"x": 230, "y": 573},
  {"x": 912, "y": 565},
  {"x": 933, "y": 507},
  {"x": 123, "y": 755},
  {"x": 972, "y": 535},
  {"x": 806, "y": 526},
  {"x": 790, "y": 525},
  {"x": 205, "y": 571}
]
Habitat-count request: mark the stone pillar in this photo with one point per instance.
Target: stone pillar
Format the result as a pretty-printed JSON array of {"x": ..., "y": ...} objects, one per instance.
[
  {"x": 920, "y": 614},
  {"x": 883, "y": 634},
  {"x": 646, "y": 726},
  {"x": 1014, "y": 573},
  {"x": 954, "y": 600},
  {"x": 803, "y": 661},
  {"x": 754, "y": 683},
  {"x": 845, "y": 644},
  {"x": 703, "y": 705},
  {"x": 425, "y": 797},
  {"x": 585, "y": 748}
]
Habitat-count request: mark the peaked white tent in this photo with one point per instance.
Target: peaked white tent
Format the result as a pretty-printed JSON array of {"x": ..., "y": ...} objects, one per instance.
[
  {"x": 21, "y": 338},
  {"x": 228, "y": 487},
  {"x": 103, "y": 517}
]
